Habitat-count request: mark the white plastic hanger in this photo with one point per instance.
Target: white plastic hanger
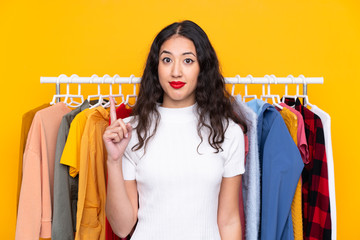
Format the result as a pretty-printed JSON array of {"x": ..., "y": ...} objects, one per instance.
[
  {"x": 268, "y": 95},
  {"x": 73, "y": 103},
  {"x": 233, "y": 89},
  {"x": 58, "y": 95},
  {"x": 305, "y": 97},
  {"x": 68, "y": 96},
  {"x": 286, "y": 90},
  {"x": 99, "y": 96},
  {"x": 113, "y": 95},
  {"x": 101, "y": 101},
  {"x": 246, "y": 89},
  {"x": 131, "y": 95}
]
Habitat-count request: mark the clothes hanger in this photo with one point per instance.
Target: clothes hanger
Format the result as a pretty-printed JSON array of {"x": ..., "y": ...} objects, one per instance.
[
  {"x": 58, "y": 95},
  {"x": 268, "y": 95},
  {"x": 68, "y": 96},
  {"x": 99, "y": 96},
  {"x": 73, "y": 103},
  {"x": 286, "y": 90},
  {"x": 233, "y": 89},
  {"x": 132, "y": 95},
  {"x": 106, "y": 105},
  {"x": 246, "y": 89},
  {"x": 305, "y": 97},
  {"x": 102, "y": 101}
]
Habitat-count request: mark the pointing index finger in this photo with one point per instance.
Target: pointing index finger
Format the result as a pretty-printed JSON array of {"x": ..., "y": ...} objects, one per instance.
[{"x": 113, "y": 116}]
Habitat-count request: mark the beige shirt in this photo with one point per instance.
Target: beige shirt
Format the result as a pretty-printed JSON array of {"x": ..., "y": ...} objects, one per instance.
[
  {"x": 25, "y": 127},
  {"x": 34, "y": 211}
]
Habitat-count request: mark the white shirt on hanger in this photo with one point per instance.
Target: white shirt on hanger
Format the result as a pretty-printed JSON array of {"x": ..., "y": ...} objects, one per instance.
[{"x": 326, "y": 120}]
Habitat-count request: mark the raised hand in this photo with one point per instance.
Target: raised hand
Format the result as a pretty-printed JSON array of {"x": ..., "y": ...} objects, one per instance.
[{"x": 116, "y": 136}]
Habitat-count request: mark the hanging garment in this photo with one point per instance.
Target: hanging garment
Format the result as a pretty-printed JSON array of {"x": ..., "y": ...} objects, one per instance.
[
  {"x": 251, "y": 177},
  {"x": 25, "y": 127},
  {"x": 71, "y": 158},
  {"x": 326, "y": 121},
  {"x": 303, "y": 148},
  {"x": 71, "y": 153},
  {"x": 121, "y": 112},
  {"x": 291, "y": 122},
  {"x": 281, "y": 166},
  {"x": 315, "y": 191},
  {"x": 65, "y": 187},
  {"x": 36, "y": 194},
  {"x": 301, "y": 137},
  {"x": 90, "y": 217}
]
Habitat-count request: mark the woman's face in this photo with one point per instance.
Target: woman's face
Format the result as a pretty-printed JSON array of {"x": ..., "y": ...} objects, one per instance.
[{"x": 178, "y": 72}]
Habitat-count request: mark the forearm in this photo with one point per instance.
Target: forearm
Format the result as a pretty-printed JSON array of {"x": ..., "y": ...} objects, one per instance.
[
  {"x": 119, "y": 210},
  {"x": 231, "y": 231}
]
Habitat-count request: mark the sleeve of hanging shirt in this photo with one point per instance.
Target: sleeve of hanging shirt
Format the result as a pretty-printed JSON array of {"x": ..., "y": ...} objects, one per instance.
[{"x": 29, "y": 213}]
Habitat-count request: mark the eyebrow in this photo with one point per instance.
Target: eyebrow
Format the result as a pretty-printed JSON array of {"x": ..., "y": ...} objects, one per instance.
[{"x": 185, "y": 53}]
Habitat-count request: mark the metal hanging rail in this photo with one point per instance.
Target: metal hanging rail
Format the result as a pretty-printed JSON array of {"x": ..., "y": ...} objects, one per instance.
[
  {"x": 116, "y": 79},
  {"x": 231, "y": 80}
]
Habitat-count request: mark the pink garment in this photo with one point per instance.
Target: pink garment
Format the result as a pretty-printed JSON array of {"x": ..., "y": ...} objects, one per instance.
[
  {"x": 36, "y": 194},
  {"x": 301, "y": 137}
]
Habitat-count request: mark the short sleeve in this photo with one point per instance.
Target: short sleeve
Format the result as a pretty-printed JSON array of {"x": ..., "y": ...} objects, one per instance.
[
  {"x": 128, "y": 166},
  {"x": 234, "y": 151}
]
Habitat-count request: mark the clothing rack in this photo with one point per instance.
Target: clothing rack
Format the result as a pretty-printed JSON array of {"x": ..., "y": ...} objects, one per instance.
[
  {"x": 116, "y": 79},
  {"x": 267, "y": 80}
]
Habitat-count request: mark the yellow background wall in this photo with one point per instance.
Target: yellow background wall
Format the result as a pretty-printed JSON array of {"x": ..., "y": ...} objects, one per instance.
[{"x": 281, "y": 37}]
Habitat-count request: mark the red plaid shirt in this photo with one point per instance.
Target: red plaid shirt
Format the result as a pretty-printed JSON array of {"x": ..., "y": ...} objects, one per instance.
[{"x": 315, "y": 189}]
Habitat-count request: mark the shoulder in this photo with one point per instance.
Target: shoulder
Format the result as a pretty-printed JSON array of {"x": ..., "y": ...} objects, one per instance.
[
  {"x": 234, "y": 132},
  {"x": 234, "y": 128},
  {"x": 270, "y": 114}
]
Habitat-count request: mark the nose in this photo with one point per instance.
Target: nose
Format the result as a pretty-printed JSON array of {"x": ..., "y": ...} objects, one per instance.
[{"x": 176, "y": 70}]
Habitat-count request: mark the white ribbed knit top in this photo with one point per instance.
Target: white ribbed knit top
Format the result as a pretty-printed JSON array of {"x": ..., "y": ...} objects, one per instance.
[{"x": 178, "y": 187}]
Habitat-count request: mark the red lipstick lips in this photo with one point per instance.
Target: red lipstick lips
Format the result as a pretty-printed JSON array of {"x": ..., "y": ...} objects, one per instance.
[{"x": 177, "y": 84}]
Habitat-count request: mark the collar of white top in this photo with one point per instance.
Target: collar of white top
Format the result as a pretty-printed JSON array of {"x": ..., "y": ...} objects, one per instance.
[{"x": 178, "y": 115}]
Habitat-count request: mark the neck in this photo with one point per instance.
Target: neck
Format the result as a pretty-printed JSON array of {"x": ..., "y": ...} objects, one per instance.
[
  {"x": 169, "y": 103},
  {"x": 181, "y": 114}
]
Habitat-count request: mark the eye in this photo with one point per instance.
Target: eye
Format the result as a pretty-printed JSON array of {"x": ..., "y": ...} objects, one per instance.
[
  {"x": 166, "y": 60},
  {"x": 188, "y": 60}
]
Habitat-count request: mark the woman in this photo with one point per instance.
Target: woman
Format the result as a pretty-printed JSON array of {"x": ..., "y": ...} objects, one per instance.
[{"x": 174, "y": 167}]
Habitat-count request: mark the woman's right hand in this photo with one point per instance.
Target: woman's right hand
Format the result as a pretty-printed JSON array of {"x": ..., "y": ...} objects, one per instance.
[{"x": 116, "y": 136}]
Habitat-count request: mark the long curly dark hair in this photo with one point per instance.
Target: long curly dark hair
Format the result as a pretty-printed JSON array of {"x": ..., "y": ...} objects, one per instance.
[{"x": 213, "y": 101}]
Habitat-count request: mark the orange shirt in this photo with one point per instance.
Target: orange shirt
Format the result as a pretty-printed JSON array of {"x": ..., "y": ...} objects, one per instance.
[
  {"x": 90, "y": 219},
  {"x": 71, "y": 152}
]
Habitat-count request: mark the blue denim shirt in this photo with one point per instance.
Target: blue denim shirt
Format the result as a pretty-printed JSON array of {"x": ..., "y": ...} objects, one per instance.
[{"x": 281, "y": 167}]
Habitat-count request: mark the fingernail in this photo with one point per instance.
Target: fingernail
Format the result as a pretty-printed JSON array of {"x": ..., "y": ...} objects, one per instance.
[{"x": 126, "y": 135}]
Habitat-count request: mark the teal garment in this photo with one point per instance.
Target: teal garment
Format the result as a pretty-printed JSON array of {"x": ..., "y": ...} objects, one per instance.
[
  {"x": 65, "y": 187},
  {"x": 281, "y": 166}
]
